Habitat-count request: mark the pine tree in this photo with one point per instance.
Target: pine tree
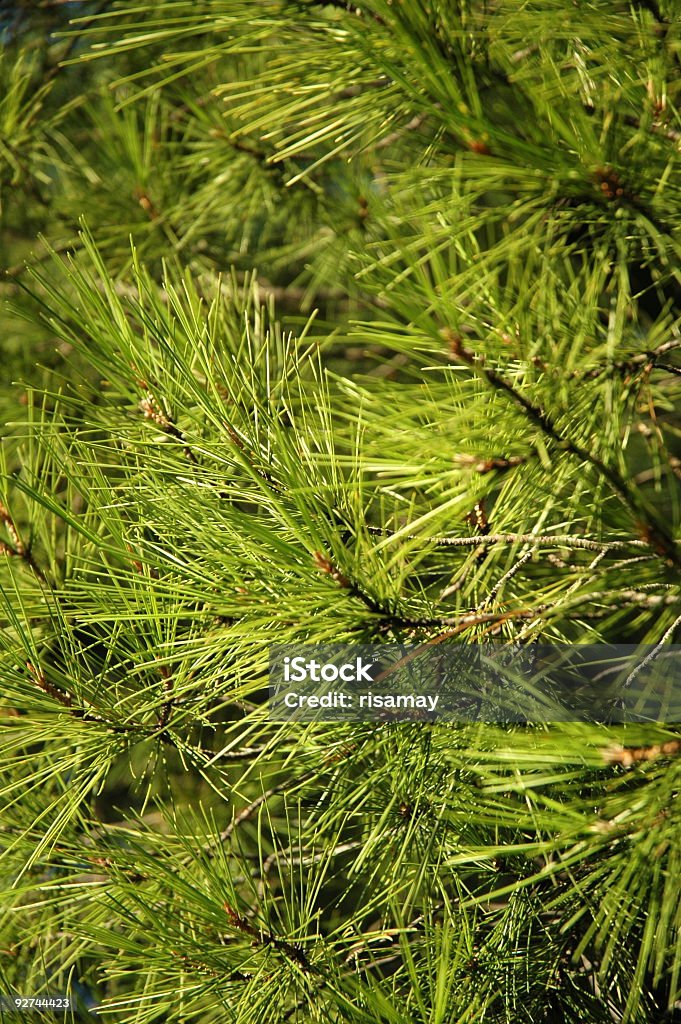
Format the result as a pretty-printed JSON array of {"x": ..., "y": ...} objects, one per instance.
[{"x": 334, "y": 323}]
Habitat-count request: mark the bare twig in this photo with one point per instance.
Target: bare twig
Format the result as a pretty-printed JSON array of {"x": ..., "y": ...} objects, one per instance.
[
  {"x": 655, "y": 651},
  {"x": 247, "y": 813},
  {"x": 628, "y": 756},
  {"x": 505, "y": 578},
  {"x": 554, "y": 540}
]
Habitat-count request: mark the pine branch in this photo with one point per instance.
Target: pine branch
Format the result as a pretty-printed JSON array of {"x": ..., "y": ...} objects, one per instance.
[
  {"x": 55, "y": 692},
  {"x": 18, "y": 549},
  {"x": 134, "y": 730},
  {"x": 413, "y": 863},
  {"x": 247, "y": 813},
  {"x": 292, "y": 951},
  {"x": 387, "y": 617},
  {"x": 167, "y": 708},
  {"x": 654, "y": 532},
  {"x": 153, "y": 411}
]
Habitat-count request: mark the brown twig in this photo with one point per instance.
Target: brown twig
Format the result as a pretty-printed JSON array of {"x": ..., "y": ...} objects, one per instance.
[
  {"x": 167, "y": 708},
  {"x": 152, "y": 411},
  {"x": 292, "y": 951},
  {"x": 55, "y": 692},
  {"x": 17, "y": 548},
  {"x": 387, "y": 616},
  {"x": 628, "y": 756}
]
